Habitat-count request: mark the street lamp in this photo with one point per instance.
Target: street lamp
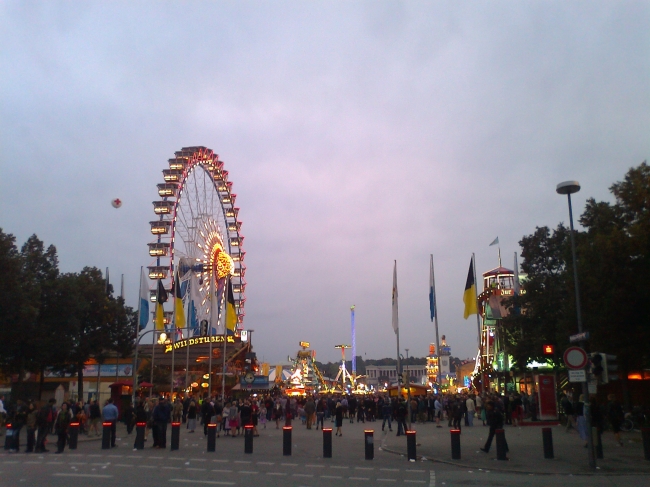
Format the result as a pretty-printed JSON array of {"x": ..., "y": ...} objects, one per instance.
[{"x": 568, "y": 188}]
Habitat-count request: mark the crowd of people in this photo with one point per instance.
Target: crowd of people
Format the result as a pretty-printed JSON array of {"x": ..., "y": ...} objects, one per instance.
[{"x": 232, "y": 415}]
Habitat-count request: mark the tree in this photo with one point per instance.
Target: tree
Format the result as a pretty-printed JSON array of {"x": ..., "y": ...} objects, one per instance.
[
  {"x": 18, "y": 307},
  {"x": 613, "y": 255}
]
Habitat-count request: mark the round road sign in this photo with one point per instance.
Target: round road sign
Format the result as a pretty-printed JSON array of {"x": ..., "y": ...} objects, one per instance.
[{"x": 575, "y": 358}]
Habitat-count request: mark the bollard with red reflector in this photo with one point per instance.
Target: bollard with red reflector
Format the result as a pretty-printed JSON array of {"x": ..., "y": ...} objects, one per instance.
[
  {"x": 501, "y": 444},
  {"x": 73, "y": 432},
  {"x": 176, "y": 436},
  {"x": 286, "y": 440},
  {"x": 248, "y": 438},
  {"x": 369, "y": 441},
  {"x": 106, "y": 435},
  {"x": 139, "y": 435},
  {"x": 9, "y": 436},
  {"x": 327, "y": 442},
  {"x": 410, "y": 446},
  {"x": 455, "y": 444},
  {"x": 212, "y": 436}
]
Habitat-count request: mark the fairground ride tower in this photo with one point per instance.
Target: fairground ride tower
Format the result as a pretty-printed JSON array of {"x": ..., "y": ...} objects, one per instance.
[{"x": 498, "y": 284}]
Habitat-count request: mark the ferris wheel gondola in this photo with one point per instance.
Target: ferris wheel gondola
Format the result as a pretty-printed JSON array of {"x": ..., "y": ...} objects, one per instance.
[{"x": 198, "y": 231}]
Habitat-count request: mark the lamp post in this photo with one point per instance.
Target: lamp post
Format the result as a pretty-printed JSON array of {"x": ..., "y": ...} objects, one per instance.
[
  {"x": 568, "y": 188},
  {"x": 408, "y": 387}
]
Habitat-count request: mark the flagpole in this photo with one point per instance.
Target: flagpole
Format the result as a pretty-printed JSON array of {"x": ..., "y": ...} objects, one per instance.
[
  {"x": 435, "y": 317},
  {"x": 396, "y": 324},
  {"x": 225, "y": 339},
  {"x": 171, "y": 385},
  {"x": 153, "y": 355},
  {"x": 134, "y": 380},
  {"x": 478, "y": 319},
  {"x": 188, "y": 323},
  {"x": 212, "y": 311}
]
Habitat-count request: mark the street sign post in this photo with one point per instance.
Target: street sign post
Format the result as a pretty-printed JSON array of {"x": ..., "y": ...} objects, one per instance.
[
  {"x": 579, "y": 337},
  {"x": 575, "y": 358},
  {"x": 577, "y": 375}
]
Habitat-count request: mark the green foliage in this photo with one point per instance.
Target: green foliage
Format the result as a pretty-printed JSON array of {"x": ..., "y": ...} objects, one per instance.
[
  {"x": 613, "y": 271},
  {"x": 56, "y": 320}
]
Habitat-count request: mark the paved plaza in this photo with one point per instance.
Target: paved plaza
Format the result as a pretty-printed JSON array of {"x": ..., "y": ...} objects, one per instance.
[{"x": 267, "y": 466}]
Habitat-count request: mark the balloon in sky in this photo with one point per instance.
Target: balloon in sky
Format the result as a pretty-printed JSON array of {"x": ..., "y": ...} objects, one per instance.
[{"x": 116, "y": 203}]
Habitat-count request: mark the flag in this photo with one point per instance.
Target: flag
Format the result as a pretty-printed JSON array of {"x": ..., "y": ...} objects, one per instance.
[
  {"x": 395, "y": 311},
  {"x": 144, "y": 301},
  {"x": 195, "y": 305},
  {"x": 179, "y": 316},
  {"x": 231, "y": 313},
  {"x": 469, "y": 296},
  {"x": 432, "y": 290},
  {"x": 161, "y": 298},
  {"x": 494, "y": 242}
]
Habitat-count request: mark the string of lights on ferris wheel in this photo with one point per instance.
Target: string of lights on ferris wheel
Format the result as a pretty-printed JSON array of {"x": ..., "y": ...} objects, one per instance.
[{"x": 198, "y": 227}]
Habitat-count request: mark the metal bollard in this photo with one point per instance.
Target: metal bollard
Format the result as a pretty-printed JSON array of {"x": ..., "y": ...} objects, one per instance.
[
  {"x": 455, "y": 444},
  {"x": 74, "y": 435},
  {"x": 139, "y": 436},
  {"x": 327, "y": 442},
  {"x": 501, "y": 444},
  {"x": 248, "y": 438},
  {"x": 598, "y": 442},
  {"x": 645, "y": 436},
  {"x": 176, "y": 436},
  {"x": 9, "y": 436},
  {"x": 212, "y": 436},
  {"x": 370, "y": 443},
  {"x": 547, "y": 439},
  {"x": 286, "y": 440},
  {"x": 410, "y": 446},
  {"x": 106, "y": 435}
]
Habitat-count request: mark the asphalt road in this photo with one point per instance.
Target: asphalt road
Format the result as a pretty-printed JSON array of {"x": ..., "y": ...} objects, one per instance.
[{"x": 266, "y": 466}]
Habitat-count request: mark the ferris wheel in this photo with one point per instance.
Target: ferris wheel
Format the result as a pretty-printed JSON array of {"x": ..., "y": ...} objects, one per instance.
[{"x": 198, "y": 233}]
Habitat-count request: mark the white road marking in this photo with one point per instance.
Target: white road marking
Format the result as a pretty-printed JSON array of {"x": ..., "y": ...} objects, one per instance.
[
  {"x": 389, "y": 469},
  {"x": 275, "y": 473},
  {"x": 289, "y": 464},
  {"x": 302, "y": 475},
  {"x": 148, "y": 466},
  {"x": 249, "y": 472},
  {"x": 208, "y": 482},
  {"x": 339, "y": 466},
  {"x": 416, "y": 471},
  {"x": 54, "y": 463},
  {"x": 359, "y": 478},
  {"x": 331, "y": 477},
  {"x": 77, "y": 463},
  {"x": 242, "y": 461},
  {"x": 171, "y": 468},
  {"x": 196, "y": 469},
  {"x": 315, "y": 466},
  {"x": 220, "y": 460},
  {"x": 415, "y": 481},
  {"x": 222, "y": 471},
  {"x": 386, "y": 480},
  {"x": 123, "y": 465},
  {"x": 432, "y": 478},
  {"x": 363, "y": 468},
  {"x": 155, "y": 458},
  {"x": 32, "y": 463},
  {"x": 265, "y": 463},
  {"x": 88, "y": 475}
]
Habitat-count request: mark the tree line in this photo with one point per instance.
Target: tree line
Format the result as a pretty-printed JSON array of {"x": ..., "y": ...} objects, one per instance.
[
  {"x": 50, "y": 319},
  {"x": 613, "y": 264}
]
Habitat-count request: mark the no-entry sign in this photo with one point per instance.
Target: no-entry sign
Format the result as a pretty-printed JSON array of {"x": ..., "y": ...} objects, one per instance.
[{"x": 575, "y": 358}]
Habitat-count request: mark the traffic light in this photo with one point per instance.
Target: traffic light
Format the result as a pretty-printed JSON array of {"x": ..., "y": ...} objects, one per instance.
[
  {"x": 596, "y": 360},
  {"x": 608, "y": 367}
]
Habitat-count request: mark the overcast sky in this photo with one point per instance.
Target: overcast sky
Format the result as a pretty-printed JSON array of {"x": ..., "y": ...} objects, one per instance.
[{"x": 355, "y": 133}]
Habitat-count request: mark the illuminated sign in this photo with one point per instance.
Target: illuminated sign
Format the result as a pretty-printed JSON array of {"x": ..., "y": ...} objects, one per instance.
[
  {"x": 243, "y": 335},
  {"x": 304, "y": 344},
  {"x": 549, "y": 349},
  {"x": 188, "y": 342}
]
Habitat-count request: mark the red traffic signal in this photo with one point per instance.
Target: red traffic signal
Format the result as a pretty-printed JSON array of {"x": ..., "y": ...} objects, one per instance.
[{"x": 549, "y": 349}]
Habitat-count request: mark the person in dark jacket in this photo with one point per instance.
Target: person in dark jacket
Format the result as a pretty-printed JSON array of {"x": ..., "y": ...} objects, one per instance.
[
  {"x": 161, "y": 416},
  {"x": 338, "y": 414},
  {"x": 495, "y": 421},
  {"x": 61, "y": 425},
  {"x": 43, "y": 426}
]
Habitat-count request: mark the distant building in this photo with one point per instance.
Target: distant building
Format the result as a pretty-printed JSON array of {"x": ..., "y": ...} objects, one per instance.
[{"x": 380, "y": 374}]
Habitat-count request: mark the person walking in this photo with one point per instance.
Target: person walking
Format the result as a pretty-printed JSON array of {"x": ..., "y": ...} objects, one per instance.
[
  {"x": 471, "y": 410},
  {"x": 338, "y": 414},
  {"x": 387, "y": 413},
  {"x": 191, "y": 416},
  {"x": 61, "y": 424},
  {"x": 32, "y": 414},
  {"x": 20, "y": 417},
  {"x": 42, "y": 426},
  {"x": 110, "y": 414},
  {"x": 161, "y": 415},
  {"x": 437, "y": 405},
  {"x": 495, "y": 422},
  {"x": 310, "y": 409},
  {"x": 616, "y": 416},
  {"x": 402, "y": 412}
]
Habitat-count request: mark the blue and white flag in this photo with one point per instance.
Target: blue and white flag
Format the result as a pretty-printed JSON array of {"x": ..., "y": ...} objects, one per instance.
[
  {"x": 144, "y": 301},
  {"x": 195, "y": 306}
]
